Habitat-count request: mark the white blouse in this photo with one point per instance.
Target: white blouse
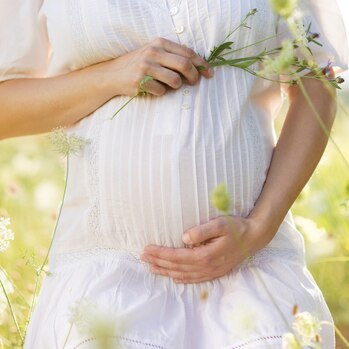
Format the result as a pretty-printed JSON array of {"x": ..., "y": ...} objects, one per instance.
[{"x": 146, "y": 176}]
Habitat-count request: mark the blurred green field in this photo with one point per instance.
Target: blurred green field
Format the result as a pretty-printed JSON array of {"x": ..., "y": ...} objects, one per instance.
[{"x": 31, "y": 188}]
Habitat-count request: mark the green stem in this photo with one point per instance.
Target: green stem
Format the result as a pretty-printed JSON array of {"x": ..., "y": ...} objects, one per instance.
[
  {"x": 341, "y": 336},
  {"x": 66, "y": 339},
  {"x": 18, "y": 291},
  {"x": 323, "y": 126},
  {"x": 247, "y": 254},
  {"x": 333, "y": 260},
  {"x": 122, "y": 107},
  {"x": 247, "y": 46},
  {"x": 40, "y": 270},
  {"x": 338, "y": 332},
  {"x": 12, "y": 312}
]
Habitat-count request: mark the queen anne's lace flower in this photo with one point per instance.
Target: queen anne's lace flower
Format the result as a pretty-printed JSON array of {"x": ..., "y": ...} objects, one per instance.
[
  {"x": 95, "y": 321},
  {"x": 306, "y": 327},
  {"x": 6, "y": 234},
  {"x": 66, "y": 144},
  {"x": 280, "y": 64}
]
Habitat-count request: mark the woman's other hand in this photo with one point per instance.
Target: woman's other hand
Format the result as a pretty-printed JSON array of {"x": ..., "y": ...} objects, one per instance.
[
  {"x": 168, "y": 62},
  {"x": 217, "y": 247}
]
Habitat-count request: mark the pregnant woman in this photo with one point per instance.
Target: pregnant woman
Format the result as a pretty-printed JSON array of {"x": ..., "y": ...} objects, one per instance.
[{"x": 138, "y": 235}]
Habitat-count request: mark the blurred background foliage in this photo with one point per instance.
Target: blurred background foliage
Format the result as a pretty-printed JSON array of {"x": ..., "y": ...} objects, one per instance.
[{"x": 31, "y": 188}]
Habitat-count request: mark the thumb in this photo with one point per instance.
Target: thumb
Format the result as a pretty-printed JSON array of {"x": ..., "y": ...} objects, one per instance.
[{"x": 201, "y": 233}]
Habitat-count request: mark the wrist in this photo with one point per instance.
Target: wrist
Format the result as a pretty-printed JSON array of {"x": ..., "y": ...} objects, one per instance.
[
  {"x": 104, "y": 79},
  {"x": 263, "y": 224}
]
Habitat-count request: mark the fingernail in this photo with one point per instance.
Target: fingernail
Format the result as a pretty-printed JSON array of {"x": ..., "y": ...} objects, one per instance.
[
  {"x": 210, "y": 71},
  {"x": 186, "y": 239}
]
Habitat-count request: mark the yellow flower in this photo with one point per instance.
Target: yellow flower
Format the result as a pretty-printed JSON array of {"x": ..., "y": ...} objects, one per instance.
[
  {"x": 220, "y": 198},
  {"x": 284, "y": 8}
]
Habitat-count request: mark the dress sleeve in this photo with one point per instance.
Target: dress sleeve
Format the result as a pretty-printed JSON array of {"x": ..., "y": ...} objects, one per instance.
[
  {"x": 24, "y": 44},
  {"x": 326, "y": 19}
]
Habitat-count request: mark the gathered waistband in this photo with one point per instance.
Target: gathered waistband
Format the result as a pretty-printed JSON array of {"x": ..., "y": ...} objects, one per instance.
[{"x": 114, "y": 255}]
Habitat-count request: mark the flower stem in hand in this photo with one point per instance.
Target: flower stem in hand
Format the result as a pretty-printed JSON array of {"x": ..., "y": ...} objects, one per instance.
[{"x": 141, "y": 91}]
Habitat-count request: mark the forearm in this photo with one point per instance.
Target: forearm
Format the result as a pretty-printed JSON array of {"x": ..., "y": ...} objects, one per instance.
[
  {"x": 299, "y": 148},
  {"x": 31, "y": 106}
]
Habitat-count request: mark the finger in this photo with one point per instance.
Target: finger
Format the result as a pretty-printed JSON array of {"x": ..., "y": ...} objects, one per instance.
[
  {"x": 170, "y": 265},
  {"x": 181, "y": 64},
  {"x": 166, "y": 76},
  {"x": 155, "y": 88},
  {"x": 177, "y": 255},
  {"x": 183, "y": 50},
  {"x": 212, "y": 229}
]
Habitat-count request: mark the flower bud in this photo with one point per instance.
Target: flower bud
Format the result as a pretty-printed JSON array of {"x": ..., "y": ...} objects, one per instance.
[
  {"x": 284, "y": 8},
  {"x": 220, "y": 198}
]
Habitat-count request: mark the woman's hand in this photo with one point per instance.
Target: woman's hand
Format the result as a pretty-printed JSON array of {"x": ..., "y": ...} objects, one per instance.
[
  {"x": 166, "y": 61},
  {"x": 217, "y": 247}
]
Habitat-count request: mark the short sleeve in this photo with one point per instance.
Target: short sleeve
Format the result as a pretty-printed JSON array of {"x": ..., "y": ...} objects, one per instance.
[
  {"x": 24, "y": 45},
  {"x": 326, "y": 20}
]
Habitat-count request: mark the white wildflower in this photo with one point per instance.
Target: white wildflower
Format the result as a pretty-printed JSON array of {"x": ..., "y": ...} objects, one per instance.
[
  {"x": 6, "y": 234},
  {"x": 298, "y": 31},
  {"x": 280, "y": 64},
  {"x": 306, "y": 327},
  {"x": 6, "y": 284},
  {"x": 65, "y": 143},
  {"x": 91, "y": 319},
  {"x": 290, "y": 341}
]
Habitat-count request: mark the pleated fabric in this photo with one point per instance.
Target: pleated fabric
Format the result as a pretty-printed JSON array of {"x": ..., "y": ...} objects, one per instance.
[{"x": 146, "y": 176}]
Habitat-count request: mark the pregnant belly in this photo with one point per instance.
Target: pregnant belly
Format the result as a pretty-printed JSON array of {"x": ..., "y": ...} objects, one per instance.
[{"x": 153, "y": 186}]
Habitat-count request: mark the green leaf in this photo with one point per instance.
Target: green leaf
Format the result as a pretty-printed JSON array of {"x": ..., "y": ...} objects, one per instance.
[{"x": 217, "y": 50}]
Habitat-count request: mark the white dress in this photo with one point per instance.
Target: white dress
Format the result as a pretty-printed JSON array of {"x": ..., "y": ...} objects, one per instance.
[{"x": 146, "y": 176}]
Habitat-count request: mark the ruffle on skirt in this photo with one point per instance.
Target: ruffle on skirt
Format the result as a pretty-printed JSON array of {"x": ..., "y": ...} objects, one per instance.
[{"x": 248, "y": 308}]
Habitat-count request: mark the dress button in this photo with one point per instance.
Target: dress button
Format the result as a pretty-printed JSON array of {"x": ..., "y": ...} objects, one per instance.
[
  {"x": 179, "y": 29},
  {"x": 185, "y": 106},
  {"x": 173, "y": 11},
  {"x": 186, "y": 91}
]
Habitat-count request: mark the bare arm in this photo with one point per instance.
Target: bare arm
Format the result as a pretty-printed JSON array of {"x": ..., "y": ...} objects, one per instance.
[
  {"x": 31, "y": 106},
  {"x": 299, "y": 148}
]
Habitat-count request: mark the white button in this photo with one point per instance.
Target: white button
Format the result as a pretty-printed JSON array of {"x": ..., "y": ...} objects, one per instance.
[
  {"x": 185, "y": 106},
  {"x": 186, "y": 92},
  {"x": 173, "y": 11},
  {"x": 179, "y": 29}
]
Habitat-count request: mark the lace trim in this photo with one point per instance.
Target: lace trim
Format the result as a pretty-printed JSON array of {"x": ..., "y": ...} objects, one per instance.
[
  {"x": 94, "y": 224},
  {"x": 60, "y": 260},
  {"x": 123, "y": 339},
  {"x": 256, "y": 340}
]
